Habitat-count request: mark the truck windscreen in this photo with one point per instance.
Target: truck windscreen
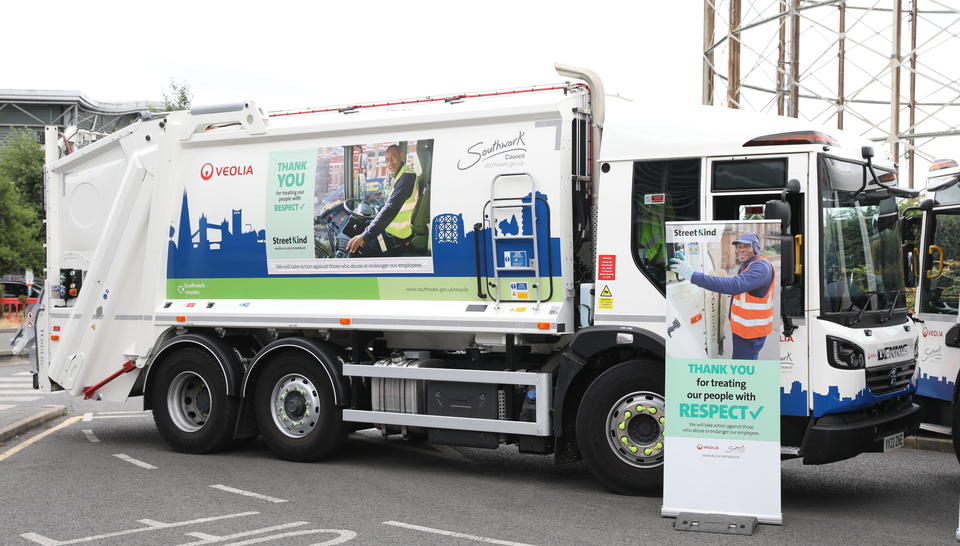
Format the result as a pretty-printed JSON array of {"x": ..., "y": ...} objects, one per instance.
[{"x": 860, "y": 248}]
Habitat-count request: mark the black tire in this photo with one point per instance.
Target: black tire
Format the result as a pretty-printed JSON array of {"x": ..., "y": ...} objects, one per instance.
[
  {"x": 190, "y": 404},
  {"x": 296, "y": 381},
  {"x": 635, "y": 465}
]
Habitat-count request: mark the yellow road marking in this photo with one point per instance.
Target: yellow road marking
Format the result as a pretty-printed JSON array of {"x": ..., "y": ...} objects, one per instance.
[{"x": 7, "y": 454}]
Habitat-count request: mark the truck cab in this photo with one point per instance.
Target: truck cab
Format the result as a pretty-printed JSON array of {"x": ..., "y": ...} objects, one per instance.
[
  {"x": 848, "y": 350},
  {"x": 932, "y": 239}
]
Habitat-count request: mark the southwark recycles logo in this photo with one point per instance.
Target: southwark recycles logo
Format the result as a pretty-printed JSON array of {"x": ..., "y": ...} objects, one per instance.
[{"x": 209, "y": 170}]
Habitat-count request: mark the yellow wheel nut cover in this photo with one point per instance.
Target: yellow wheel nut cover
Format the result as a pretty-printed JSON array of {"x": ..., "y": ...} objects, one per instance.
[
  {"x": 622, "y": 426},
  {"x": 640, "y": 408},
  {"x": 647, "y": 451},
  {"x": 662, "y": 419},
  {"x": 627, "y": 415},
  {"x": 652, "y": 410},
  {"x": 659, "y": 445},
  {"x": 634, "y": 449},
  {"x": 623, "y": 440}
]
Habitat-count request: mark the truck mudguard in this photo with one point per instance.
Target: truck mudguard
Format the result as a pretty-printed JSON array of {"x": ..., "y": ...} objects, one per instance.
[
  {"x": 225, "y": 356},
  {"x": 326, "y": 354},
  {"x": 588, "y": 343}
]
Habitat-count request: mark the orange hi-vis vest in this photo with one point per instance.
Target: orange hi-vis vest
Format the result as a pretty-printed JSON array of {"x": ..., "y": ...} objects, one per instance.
[{"x": 752, "y": 317}]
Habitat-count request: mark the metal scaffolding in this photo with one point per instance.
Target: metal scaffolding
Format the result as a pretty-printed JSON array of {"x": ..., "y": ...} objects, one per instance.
[{"x": 885, "y": 69}]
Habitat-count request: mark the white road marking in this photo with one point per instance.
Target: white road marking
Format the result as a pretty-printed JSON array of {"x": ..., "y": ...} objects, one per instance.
[
  {"x": 98, "y": 416},
  {"x": 90, "y": 436},
  {"x": 12, "y": 379},
  {"x": 7, "y": 406},
  {"x": 18, "y": 398},
  {"x": 25, "y": 390},
  {"x": 213, "y": 539},
  {"x": 23, "y": 373},
  {"x": 345, "y": 536},
  {"x": 131, "y": 460},
  {"x": 453, "y": 534},
  {"x": 87, "y": 417},
  {"x": 246, "y": 493},
  {"x": 133, "y": 412},
  {"x": 153, "y": 526}
]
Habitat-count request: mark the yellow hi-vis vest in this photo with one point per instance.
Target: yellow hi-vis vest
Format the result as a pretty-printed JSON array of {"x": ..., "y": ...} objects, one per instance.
[
  {"x": 401, "y": 226},
  {"x": 752, "y": 317}
]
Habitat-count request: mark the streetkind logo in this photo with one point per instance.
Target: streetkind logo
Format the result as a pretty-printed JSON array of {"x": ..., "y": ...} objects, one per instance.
[
  {"x": 209, "y": 170},
  {"x": 512, "y": 149}
]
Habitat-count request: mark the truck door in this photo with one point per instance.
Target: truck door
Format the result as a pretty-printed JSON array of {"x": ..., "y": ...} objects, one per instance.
[
  {"x": 738, "y": 188},
  {"x": 938, "y": 294}
]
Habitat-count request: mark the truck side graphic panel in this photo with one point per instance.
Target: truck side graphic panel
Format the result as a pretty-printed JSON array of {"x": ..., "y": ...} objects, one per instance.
[{"x": 269, "y": 226}]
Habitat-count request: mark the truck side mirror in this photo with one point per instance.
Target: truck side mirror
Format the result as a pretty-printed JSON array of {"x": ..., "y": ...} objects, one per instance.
[
  {"x": 775, "y": 209},
  {"x": 787, "y": 260}
]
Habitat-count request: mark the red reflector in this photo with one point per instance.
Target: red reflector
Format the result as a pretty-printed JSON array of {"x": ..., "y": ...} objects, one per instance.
[
  {"x": 54, "y": 337},
  {"x": 794, "y": 137},
  {"x": 696, "y": 318},
  {"x": 942, "y": 164},
  {"x": 72, "y": 292},
  {"x": 345, "y": 321},
  {"x": 543, "y": 325},
  {"x": 56, "y": 328},
  {"x": 181, "y": 318}
]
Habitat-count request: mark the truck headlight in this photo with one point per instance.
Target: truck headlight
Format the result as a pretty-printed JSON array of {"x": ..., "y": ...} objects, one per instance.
[{"x": 844, "y": 355}]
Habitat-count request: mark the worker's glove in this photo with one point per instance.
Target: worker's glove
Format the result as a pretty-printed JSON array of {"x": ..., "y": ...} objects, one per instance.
[{"x": 681, "y": 268}]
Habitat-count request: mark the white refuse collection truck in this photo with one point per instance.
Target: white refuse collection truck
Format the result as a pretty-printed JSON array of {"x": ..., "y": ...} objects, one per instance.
[
  {"x": 933, "y": 239},
  {"x": 478, "y": 269}
]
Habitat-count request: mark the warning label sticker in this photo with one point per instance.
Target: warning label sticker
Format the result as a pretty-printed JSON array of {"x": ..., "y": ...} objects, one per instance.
[
  {"x": 605, "y": 301},
  {"x": 607, "y": 267}
]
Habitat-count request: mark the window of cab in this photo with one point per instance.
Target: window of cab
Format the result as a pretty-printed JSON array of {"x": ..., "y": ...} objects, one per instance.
[{"x": 749, "y": 174}]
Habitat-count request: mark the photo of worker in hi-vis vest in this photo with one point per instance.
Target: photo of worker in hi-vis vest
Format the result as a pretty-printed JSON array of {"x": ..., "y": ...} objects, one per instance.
[{"x": 737, "y": 268}]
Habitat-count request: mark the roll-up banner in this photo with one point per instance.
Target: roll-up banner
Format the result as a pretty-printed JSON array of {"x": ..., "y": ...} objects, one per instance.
[{"x": 723, "y": 370}]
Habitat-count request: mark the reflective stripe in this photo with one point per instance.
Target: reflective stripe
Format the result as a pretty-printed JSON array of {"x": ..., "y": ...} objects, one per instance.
[
  {"x": 751, "y": 322},
  {"x": 752, "y": 305}
]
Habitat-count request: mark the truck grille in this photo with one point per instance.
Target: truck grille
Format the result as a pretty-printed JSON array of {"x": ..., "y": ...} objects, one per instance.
[{"x": 884, "y": 379}]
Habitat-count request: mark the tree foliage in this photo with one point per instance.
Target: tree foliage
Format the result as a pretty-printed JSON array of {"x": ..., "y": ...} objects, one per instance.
[
  {"x": 177, "y": 96},
  {"x": 21, "y": 162},
  {"x": 21, "y": 240}
]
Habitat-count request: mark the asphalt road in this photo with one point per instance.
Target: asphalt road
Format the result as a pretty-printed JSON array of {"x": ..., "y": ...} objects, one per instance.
[{"x": 109, "y": 479}]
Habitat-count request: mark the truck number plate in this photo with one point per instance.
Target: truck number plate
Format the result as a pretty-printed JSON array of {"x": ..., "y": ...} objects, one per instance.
[{"x": 893, "y": 442}]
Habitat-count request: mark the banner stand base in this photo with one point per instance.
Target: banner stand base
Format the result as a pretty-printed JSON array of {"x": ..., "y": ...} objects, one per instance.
[{"x": 715, "y": 523}]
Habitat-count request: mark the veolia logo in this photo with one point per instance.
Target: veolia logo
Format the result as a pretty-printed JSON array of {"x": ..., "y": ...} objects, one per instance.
[{"x": 207, "y": 170}]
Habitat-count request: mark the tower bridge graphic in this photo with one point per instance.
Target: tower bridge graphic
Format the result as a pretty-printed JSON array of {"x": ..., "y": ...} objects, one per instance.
[{"x": 240, "y": 251}]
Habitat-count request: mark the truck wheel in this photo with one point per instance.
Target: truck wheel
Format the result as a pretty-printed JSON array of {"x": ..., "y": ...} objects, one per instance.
[
  {"x": 620, "y": 427},
  {"x": 190, "y": 404},
  {"x": 295, "y": 411}
]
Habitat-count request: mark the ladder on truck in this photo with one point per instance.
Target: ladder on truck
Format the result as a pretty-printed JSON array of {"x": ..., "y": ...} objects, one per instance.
[{"x": 490, "y": 218}]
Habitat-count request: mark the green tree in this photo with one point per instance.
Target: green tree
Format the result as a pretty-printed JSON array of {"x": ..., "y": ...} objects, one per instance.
[
  {"x": 177, "y": 96},
  {"x": 21, "y": 203},
  {"x": 21, "y": 162},
  {"x": 21, "y": 245}
]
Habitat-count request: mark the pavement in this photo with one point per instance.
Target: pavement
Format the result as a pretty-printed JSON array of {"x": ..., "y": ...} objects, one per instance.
[{"x": 22, "y": 408}]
